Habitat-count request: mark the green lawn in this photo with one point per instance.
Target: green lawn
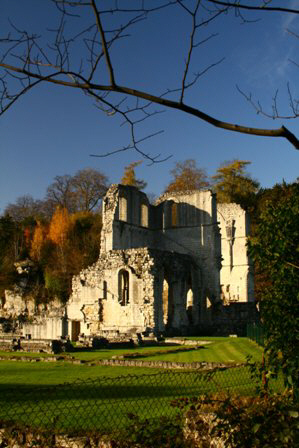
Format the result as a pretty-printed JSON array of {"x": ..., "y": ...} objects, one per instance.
[
  {"x": 216, "y": 350},
  {"x": 96, "y": 355},
  {"x": 104, "y": 402},
  {"x": 14, "y": 373},
  {"x": 227, "y": 350},
  {"x": 61, "y": 395}
]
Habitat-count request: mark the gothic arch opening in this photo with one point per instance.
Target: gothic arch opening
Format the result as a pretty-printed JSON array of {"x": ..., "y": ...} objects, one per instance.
[
  {"x": 167, "y": 303},
  {"x": 189, "y": 299},
  {"x": 123, "y": 287},
  {"x": 144, "y": 215},
  {"x": 174, "y": 214},
  {"x": 122, "y": 209}
]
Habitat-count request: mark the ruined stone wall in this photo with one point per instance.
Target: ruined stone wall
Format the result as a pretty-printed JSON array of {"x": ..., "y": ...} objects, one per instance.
[
  {"x": 183, "y": 222},
  {"x": 233, "y": 318},
  {"x": 98, "y": 302},
  {"x": 128, "y": 219},
  {"x": 45, "y": 327},
  {"x": 236, "y": 275},
  {"x": 42, "y": 321},
  {"x": 190, "y": 227},
  {"x": 14, "y": 304},
  {"x": 158, "y": 270}
]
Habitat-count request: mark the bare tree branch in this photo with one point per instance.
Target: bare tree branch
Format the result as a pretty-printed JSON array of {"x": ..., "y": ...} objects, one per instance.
[
  {"x": 262, "y": 8},
  {"x": 279, "y": 132},
  {"x": 104, "y": 43},
  {"x": 191, "y": 45},
  {"x": 293, "y": 104},
  {"x": 55, "y": 65}
]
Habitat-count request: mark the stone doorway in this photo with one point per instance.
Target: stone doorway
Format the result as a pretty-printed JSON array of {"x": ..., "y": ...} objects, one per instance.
[
  {"x": 189, "y": 300},
  {"x": 75, "y": 330}
]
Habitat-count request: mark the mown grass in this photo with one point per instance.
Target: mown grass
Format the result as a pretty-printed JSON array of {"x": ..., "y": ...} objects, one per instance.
[
  {"x": 97, "y": 355},
  {"x": 49, "y": 395},
  {"x": 106, "y": 402},
  {"x": 226, "y": 350},
  {"x": 215, "y": 350},
  {"x": 16, "y": 373},
  {"x": 19, "y": 354}
]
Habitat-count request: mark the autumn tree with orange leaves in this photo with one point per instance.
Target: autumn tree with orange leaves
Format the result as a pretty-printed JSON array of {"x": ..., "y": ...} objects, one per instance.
[
  {"x": 187, "y": 176},
  {"x": 38, "y": 240},
  {"x": 129, "y": 177},
  {"x": 59, "y": 227}
]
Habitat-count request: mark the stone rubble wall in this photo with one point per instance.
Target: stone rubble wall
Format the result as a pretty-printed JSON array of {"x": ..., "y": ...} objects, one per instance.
[
  {"x": 144, "y": 310},
  {"x": 9, "y": 344},
  {"x": 42, "y": 321},
  {"x": 106, "y": 313},
  {"x": 201, "y": 366},
  {"x": 236, "y": 275}
]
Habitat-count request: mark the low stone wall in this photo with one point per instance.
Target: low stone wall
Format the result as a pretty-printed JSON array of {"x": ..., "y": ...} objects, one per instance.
[
  {"x": 164, "y": 364},
  {"x": 185, "y": 342},
  {"x": 129, "y": 363},
  {"x": 233, "y": 318},
  {"x": 13, "y": 343},
  {"x": 15, "y": 437}
]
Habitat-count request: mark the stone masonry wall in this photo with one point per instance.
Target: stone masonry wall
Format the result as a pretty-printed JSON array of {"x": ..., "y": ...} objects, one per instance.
[{"x": 236, "y": 275}]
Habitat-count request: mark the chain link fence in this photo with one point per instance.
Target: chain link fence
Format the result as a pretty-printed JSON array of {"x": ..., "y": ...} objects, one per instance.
[
  {"x": 93, "y": 413},
  {"x": 255, "y": 332}
]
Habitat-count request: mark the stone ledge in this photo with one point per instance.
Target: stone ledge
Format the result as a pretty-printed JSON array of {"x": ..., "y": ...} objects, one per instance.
[{"x": 132, "y": 363}]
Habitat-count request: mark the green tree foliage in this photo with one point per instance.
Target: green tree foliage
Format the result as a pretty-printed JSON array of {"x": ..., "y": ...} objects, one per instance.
[
  {"x": 129, "y": 177},
  {"x": 187, "y": 176},
  {"x": 233, "y": 184},
  {"x": 57, "y": 284},
  {"x": 264, "y": 198},
  {"x": 7, "y": 253},
  {"x": 275, "y": 250},
  {"x": 85, "y": 237}
]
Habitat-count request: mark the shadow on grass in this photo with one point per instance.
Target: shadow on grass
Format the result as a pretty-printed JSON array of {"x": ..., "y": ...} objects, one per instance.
[
  {"x": 107, "y": 402},
  {"x": 164, "y": 384}
]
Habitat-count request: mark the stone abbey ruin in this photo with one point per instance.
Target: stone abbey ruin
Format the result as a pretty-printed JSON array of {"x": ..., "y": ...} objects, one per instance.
[{"x": 177, "y": 267}]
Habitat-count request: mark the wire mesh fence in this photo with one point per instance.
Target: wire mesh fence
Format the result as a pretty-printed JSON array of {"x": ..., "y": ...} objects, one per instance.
[
  {"x": 106, "y": 407},
  {"x": 256, "y": 333}
]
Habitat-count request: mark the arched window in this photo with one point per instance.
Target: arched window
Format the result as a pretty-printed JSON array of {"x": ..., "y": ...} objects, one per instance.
[
  {"x": 105, "y": 290},
  {"x": 144, "y": 215},
  {"x": 174, "y": 214},
  {"x": 189, "y": 302},
  {"x": 165, "y": 301},
  {"x": 122, "y": 209},
  {"x": 189, "y": 299},
  {"x": 123, "y": 287}
]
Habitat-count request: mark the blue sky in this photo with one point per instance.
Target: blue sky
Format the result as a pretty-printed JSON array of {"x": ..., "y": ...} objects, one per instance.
[{"x": 52, "y": 130}]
